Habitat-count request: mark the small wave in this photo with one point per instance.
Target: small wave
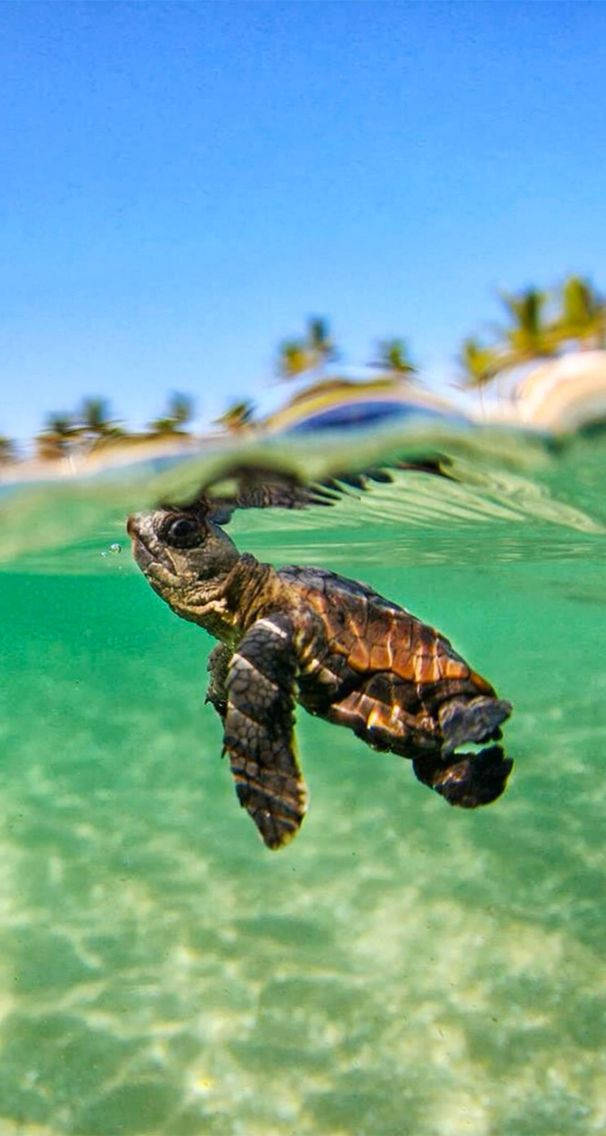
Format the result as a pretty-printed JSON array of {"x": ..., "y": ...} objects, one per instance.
[{"x": 500, "y": 490}]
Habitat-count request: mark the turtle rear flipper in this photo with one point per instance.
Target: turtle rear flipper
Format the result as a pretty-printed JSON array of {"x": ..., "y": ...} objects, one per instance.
[
  {"x": 471, "y": 720},
  {"x": 474, "y": 779},
  {"x": 259, "y": 725}
]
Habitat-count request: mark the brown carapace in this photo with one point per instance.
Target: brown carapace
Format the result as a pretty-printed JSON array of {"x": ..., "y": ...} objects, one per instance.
[{"x": 331, "y": 644}]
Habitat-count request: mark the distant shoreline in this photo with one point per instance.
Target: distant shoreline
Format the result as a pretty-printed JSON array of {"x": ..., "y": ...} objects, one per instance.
[{"x": 99, "y": 459}]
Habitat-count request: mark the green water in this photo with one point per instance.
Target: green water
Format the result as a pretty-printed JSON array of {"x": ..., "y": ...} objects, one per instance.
[{"x": 402, "y": 968}]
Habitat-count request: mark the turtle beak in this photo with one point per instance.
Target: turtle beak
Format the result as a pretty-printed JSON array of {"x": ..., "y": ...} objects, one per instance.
[
  {"x": 135, "y": 527},
  {"x": 132, "y": 526},
  {"x": 151, "y": 554}
]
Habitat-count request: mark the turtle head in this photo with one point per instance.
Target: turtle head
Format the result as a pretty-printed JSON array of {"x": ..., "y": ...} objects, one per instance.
[{"x": 183, "y": 554}]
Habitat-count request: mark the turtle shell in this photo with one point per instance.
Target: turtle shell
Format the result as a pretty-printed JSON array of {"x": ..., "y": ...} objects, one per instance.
[
  {"x": 396, "y": 681},
  {"x": 377, "y": 635}
]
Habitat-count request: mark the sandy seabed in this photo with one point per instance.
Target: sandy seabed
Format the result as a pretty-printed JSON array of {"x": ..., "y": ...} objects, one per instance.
[{"x": 402, "y": 968}]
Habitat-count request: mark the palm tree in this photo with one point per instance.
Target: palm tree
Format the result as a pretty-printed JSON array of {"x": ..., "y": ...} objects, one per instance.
[
  {"x": 94, "y": 423},
  {"x": 320, "y": 345},
  {"x": 311, "y": 353},
  {"x": 237, "y": 417},
  {"x": 529, "y": 335},
  {"x": 293, "y": 358},
  {"x": 180, "y": 409},
  {"x": 479, "y": 363},
  {"x": 55, "y": 440},
  {"x": 7, "y": 450},
  {"x": 393, "y": 357},
  {"x": 583, "y": 314},
  {"x": 60, "y": 423},
  {"x": 94, "y": 416}
]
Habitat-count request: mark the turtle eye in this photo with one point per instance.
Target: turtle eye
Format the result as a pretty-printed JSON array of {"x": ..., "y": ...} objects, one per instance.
[{"x": 183, "y": 533}]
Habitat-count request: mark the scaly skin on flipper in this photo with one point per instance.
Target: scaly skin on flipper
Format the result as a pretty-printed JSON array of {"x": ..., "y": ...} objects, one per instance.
[
  {"x": 218, "y": 667},
  {"x": 345, "y": 653},
  {"x": 474, "y": 779},
  {"x": 252, "y": 690},
  {"x": 259, "y": 730}
]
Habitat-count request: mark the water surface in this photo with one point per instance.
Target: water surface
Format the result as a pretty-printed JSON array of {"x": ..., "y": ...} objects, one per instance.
[{"x": 402, "y": 967}]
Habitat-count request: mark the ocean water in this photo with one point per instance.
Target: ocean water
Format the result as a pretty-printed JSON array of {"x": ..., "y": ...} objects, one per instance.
[{"x": 402, "y": 968}]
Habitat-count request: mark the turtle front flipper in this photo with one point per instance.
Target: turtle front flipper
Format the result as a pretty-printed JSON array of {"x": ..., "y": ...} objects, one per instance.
[
  {"x": 259, "y": 726},
  {"x": 218, "y": 666}
]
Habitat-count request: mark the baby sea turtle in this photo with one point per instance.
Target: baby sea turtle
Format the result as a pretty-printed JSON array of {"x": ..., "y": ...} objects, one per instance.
[{"x": 341, "y": 650}]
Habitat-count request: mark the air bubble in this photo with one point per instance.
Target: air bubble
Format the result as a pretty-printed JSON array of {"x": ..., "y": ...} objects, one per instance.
[{"x": 112, "y": 549}]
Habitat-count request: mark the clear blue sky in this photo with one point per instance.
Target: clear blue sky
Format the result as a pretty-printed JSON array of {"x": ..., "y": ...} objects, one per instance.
[{"x": 182, "y": 184}]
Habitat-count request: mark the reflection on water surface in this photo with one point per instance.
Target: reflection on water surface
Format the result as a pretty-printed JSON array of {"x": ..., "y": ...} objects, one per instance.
[{"x": 401, "y": 967}]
